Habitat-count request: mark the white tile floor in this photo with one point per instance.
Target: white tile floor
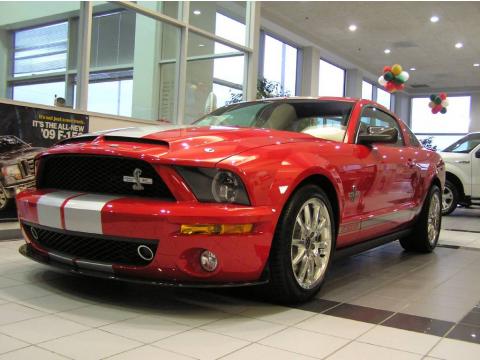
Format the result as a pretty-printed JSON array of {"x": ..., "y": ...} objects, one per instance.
[{"x": 45, "y": 315}]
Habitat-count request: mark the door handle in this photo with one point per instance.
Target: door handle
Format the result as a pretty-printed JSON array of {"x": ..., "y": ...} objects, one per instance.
[{"x": 462, "y": 161}]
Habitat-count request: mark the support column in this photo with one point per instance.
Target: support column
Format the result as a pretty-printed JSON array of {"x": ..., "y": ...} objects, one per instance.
[
  {"x": 310, "y": 71},
  {"x": 83, "y": 61},
  {"x": 353, "y": 83},
  {"x": 402, "y": 107},
  {"x": 475, "y": 112},
  {"x": 4, "y": 61},
  {"x": 251, "y": 59}
]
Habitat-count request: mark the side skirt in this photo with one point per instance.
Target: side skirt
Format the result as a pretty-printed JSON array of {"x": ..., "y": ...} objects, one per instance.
[{"x": 369, "y": 244}]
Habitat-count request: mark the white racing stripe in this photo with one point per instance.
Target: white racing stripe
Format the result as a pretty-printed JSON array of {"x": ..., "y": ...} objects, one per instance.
[
  {"x": 84, "y": 213},
  {"x": 49, "y": 208}
]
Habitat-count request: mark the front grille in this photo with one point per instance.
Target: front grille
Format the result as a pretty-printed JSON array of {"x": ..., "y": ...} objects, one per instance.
[
  {"x": 100, "y": 174},
  {"x": 91, "y": 247},
  {"x": 27, "y": 167}
]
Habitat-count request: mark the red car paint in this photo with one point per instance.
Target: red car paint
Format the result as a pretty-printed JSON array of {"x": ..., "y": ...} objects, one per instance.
[{"x": 392, "y": 183}]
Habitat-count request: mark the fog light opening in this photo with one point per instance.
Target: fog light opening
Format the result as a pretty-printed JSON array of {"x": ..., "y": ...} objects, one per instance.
[
  {"x": 208, "y": 261},
  {"x": 34, "y": 233},
  {"x": 145, "y": 252}
]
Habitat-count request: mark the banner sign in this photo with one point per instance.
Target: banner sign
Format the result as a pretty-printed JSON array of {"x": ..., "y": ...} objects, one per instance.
[{"x": 40, "y": 127}]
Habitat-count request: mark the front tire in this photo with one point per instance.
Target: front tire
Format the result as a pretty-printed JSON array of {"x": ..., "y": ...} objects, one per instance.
[
  {"x": 450, "y": 198},
  {"x": 425, "y": 232},
  {"x": 303, "y": 246}
]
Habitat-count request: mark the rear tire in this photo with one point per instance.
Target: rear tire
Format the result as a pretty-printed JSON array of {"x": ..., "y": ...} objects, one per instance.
[
  {"x": 425, "y": 232},
  {"x": 450, "y": 198},
  {"x": 303, "y": 246}
]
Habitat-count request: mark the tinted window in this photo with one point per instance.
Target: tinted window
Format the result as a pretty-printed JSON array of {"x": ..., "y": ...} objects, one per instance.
[
  {"x": 322, "y": 119},
  {"x": 465, "y": 144},
  {"x": 377, "y": 118}
]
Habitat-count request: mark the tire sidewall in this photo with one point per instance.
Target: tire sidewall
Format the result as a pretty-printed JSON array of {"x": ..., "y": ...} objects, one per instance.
[
  {"x": 433, "y": 190},
  {"x": 285, "y": 234}
]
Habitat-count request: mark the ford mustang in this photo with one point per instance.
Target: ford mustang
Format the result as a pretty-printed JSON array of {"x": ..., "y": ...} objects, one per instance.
[{"x": 264, "y": 192}]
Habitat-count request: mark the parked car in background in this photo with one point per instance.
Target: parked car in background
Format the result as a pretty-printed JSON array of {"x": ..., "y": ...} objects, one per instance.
[
  {"x": 462, "y": 185},
  {"x": 17, "y": 168},
  {"x": 263, "y": 192}
]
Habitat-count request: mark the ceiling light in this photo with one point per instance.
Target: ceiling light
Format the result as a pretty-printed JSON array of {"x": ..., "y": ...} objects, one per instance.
[
  {"x": 352, "y": 27},
  {"x": 413, "y": 69},
  {"x": 459, "y": 45},
  {"x": 387, "y": 51},
  {"x": 197, "y": 12},
  {"x": 434, "y": 19},
  {"x": 201, "y": 45},
  {"x": 476, "y": 64}
]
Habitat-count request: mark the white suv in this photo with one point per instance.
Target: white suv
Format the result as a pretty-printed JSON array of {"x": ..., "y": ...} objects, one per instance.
[{"x": 462, "y": 185}]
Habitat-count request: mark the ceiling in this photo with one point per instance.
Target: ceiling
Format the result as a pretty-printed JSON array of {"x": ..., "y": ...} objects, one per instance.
[{"x": 403, "y": 27}]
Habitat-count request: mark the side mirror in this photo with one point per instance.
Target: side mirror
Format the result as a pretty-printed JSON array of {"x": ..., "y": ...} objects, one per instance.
[
  {"x": 378, "y": 134},
  {"x": 477, "y": 154}
]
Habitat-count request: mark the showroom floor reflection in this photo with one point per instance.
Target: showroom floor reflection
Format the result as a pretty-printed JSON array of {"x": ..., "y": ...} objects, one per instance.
[{"x": 381, "y": 304}]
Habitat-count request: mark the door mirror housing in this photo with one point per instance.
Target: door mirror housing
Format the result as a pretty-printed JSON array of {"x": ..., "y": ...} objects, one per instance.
[
  {"x": 477, "y": 154},
  {"x": 378, "y": 134}
]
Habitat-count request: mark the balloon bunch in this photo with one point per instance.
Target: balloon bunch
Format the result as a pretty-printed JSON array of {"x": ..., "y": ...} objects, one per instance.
[
  {"x": 438, "y": 103},
  {"x": 393, "y": 78}
]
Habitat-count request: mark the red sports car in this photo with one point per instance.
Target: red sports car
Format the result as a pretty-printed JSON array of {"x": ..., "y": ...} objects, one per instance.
[{"x": 257, "y": 192}]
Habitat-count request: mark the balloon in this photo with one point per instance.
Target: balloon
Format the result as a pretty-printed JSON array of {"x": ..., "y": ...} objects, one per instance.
[
  {"x": 444, "y": 103},
  {"x": 382, "y": 81},
  {"x": 388, "y": 76},
  {"x": 387, "y": 69},
  {"x": 438, "y": 100},
  {"x": 399, "y": 86},
  {"x": 435, "y": 110},
  {"x": 390, "y": 87},
  {"x": 396, "y": 69},
  {"x": 431, "y": 104},
  {"x": 403, "y": 75},
  {"x": 444, "y": 110},
  {"x": 432, "y": 97},
  {"x": 442, "y": 95}
]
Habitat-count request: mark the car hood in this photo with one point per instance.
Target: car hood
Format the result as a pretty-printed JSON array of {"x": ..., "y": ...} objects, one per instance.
[
  {"x": 23, "y": 152},
  {"x": 180, "y": 143}
]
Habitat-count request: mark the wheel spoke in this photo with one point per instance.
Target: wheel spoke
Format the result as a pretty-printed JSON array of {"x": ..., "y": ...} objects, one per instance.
[
  {"x": 303, "y": 268},
  {"x": 307, "y": 217},
  {"x": 300, "y": 255}
]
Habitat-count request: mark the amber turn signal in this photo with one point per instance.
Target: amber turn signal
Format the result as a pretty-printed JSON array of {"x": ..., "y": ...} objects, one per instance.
[{"x": 216, "y": 229}]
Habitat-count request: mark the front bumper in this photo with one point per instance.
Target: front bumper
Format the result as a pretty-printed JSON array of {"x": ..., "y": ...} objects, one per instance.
[{"x": 241, "y": 258}]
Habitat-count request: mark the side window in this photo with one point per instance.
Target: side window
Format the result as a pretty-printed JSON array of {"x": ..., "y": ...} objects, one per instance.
[
  {"x": 413, "y": 139},
  {"x": 374, "y": 117},
  {"x": 465, "y": 145}
]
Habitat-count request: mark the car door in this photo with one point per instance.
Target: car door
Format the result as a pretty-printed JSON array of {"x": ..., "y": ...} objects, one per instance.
[
  {"x": 388, "y": 202},
  {"x": 475, "y": 163}
]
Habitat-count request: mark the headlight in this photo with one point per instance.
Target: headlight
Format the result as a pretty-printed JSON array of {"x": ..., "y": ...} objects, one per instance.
[
  {"x": 11, "y": 172},
  {"x": 215, "y": 185}
]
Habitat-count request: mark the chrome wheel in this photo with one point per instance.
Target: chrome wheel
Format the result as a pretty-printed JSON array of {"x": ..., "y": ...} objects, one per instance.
[
  {"x": 434, "y": 214},
  {"x": 311, "y": 243},
  {"x": 447, "y": 199},
  {"x": 3, "y": 198}
]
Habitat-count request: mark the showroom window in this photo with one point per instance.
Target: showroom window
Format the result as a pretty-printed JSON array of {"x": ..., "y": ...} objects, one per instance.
[
  {"x": 42, "y": 93},
  {"x": 331, "y": 80},
  {"x": 384, "y": 98},
  {"x": 280, "y": 64},
  {"x": 40, "y": 50},
  {"x": 367, "y": 90},
  {"x": 444, "y": 129}
]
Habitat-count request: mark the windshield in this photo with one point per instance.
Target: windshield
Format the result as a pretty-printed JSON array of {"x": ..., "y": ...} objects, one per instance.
[
  {"x": 10, "y": 143},
  {"x": 465, "y": 144},
  {"x": 323, "y": 119}
]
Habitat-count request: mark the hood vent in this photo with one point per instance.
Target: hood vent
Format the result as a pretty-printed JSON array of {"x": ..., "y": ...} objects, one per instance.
[{"x": 136, "y": 140}]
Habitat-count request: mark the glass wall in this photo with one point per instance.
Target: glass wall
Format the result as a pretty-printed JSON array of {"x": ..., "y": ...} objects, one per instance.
[
  {"x": 280, "y": 64},
  {"x": 444, "y": 129},
  {"x": 331, "y": 80},
  {"x": 384, "y": 98},
  {"x": 367, "y": 90}
]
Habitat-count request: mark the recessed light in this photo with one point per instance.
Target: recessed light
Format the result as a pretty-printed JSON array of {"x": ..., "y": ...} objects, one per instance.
[
  {"x": 201, "y": 45},
  {"x": 197, "y": 12},
  {"x": 352, "y": 27},
  {"x": 476, "y": 64},
  {"x": 413, "y": 69},
  {"x": 387, "y": 51},
  {"x": 434, "y": 19},
  {"x": 459, "y": 45}
]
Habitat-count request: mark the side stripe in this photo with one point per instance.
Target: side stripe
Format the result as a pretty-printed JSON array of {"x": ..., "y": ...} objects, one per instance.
[
  {"x": 49, "y": 208},
  {"x": 84, "y": 213}
]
